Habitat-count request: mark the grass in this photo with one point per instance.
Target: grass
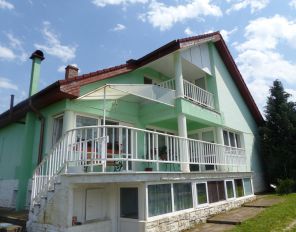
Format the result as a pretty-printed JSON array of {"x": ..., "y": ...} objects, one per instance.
[{"x": 275, "y": 218}]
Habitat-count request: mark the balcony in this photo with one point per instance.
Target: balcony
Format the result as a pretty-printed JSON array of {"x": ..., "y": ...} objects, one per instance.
[
  {"x": 126, "y": 149},
  {"x": 192, "y": 92}
]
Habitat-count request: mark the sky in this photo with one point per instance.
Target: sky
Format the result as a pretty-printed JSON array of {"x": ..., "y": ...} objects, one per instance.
[{"x": 96, "y": 34}]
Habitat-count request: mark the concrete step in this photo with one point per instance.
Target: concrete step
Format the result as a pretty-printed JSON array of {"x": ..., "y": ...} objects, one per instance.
[
  {"x": 236, "y": 216},
  {"x": 263, "y": 202},
  {"x": 212, "y": 227}
]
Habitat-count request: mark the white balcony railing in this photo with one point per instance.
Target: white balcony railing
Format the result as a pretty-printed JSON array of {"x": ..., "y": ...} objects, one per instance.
[
  {"x": 126, "y": 149},
  {"x": 199, "y": 95},
  {"x": 192, "y": 92}
]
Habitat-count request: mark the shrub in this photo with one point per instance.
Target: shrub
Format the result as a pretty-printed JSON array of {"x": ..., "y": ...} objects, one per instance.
[{"x": 285, "y": 186}]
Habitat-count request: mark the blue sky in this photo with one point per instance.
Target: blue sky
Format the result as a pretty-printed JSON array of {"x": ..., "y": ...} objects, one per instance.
[{"x": 96, "y": 34}]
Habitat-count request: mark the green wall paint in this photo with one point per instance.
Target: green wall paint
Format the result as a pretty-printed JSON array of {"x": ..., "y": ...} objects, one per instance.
[{"x": 36, "y": 62}]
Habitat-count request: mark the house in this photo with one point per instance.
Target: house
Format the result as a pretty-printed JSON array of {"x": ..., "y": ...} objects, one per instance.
[{"x": 156, "y": 144}]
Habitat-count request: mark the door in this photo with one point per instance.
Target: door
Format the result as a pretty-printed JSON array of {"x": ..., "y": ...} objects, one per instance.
[{"x": 95, "y": 204}]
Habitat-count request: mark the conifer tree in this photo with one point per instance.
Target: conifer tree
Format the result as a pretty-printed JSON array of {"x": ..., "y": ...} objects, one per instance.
[{"x": 279, "y": 135}]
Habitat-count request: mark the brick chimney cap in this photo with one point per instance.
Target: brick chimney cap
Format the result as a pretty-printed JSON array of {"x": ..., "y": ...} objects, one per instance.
[{"x": 37, "y": 54}]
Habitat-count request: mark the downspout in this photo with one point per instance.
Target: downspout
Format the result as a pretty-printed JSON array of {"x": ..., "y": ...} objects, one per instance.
[{"x": 41, "y": 118}]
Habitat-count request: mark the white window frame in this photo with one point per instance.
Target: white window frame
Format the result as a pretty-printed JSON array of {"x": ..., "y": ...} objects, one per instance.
[
  {"x": 196, "y": 196},
  {"x": 53, "y": 124},
  {"x": 233, "y": 189},
  {"x": 240, "y": 135}
]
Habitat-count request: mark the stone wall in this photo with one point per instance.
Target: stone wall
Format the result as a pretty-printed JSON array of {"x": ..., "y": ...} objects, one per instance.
[
  {"x": 188, "y": 219},
  {"x": 8, "y": 191}
]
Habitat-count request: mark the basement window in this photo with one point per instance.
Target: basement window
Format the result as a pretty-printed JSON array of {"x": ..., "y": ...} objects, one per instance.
[
  {"x": 201, "y": 190},
  {"x": 248, "y": 186},
  {"x": 159, "y": 199},
  {"x": 182, "y": 196},
  {"x": 239, "y": 188},
  {"x": 229, "y": 189},
  {"x": 216, "y": 191}
]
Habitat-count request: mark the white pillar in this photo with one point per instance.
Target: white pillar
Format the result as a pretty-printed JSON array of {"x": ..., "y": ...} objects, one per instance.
[
  {"x": 182, "y": 129},
  {"x": 178, "y": 75},
  {"x": 68, "y": 121}
]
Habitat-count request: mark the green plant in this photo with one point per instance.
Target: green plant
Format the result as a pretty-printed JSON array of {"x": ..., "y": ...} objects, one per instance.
[{"x": 285, "y": 186}]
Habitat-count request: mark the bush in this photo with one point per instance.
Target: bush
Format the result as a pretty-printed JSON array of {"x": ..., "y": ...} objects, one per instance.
[{"x": 285, "y": 186}]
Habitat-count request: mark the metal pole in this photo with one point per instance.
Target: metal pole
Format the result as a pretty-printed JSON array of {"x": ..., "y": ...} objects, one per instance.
[
  {"x": 104, "y": 113},
  {"x": 104, "y": 132}
]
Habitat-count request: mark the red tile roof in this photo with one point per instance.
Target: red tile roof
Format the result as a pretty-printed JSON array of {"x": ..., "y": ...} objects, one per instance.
[{"x": 64, "y": 89}]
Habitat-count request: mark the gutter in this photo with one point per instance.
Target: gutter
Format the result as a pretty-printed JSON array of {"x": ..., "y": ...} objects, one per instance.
[{"x": 41, "y": 118}]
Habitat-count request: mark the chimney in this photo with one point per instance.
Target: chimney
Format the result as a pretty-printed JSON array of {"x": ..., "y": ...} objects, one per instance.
[
  {"x": 36, "y": 58},
  {"x": 71, "y": 71}
]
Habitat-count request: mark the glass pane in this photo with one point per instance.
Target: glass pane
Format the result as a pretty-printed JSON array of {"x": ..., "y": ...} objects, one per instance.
[
  {"x": 159, "y": 199},
  {"x": 231, "y": 138},
  {"x": 202, "y": 197},
  {"x": 225, "y": 136},
  {"x": 216, "y": 191},
  {"x": 229, "y": 187},
  {"x": 248, "y": 186},
  {"x": 239, "y": 187},
  {"x": 129, "y": 203},
  {"x": 182, "y": 196},
  {"x": 86, "y": 134},
  {"x": 57, "y": 129},
  {"x": 238, "y": 142}
]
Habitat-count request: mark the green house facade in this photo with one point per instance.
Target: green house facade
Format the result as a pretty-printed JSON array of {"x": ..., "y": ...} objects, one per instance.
[{"x": 156, "y": 144}]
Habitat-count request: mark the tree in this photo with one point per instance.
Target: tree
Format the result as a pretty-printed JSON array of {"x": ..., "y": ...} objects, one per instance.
[{"x": 278, "y": 135}]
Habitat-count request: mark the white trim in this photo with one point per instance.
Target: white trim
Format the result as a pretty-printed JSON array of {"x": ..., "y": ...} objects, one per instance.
[{"x": 233, "y": 189}]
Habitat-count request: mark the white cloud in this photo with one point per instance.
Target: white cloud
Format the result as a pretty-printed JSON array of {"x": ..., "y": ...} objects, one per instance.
[
  {"x": 6, "y": 5},
  {"x": 6, "y": 84},
  {"x": 53, "y": 45},
  {"x": 259, "y": 59},
  {"x": 119, "y": 27},
  {"x": 189, "y": 32},
  {"x": 292, "y": 3},
  {"x": 255, "y": 5},
  {"x": 226, "y": 34},
  {"x": 17, "y": 45},
  {"x": 6, "y": 53},
  {"x": 164, "y": 16},
  {"x": 103, "y": 3}
]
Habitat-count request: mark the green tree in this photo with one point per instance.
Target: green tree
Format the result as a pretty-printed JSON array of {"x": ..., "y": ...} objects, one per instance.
[{"x": 279, "y": 134}]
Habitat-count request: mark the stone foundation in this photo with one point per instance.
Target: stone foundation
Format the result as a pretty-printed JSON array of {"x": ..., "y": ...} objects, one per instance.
[{"x": 188, "y": 219}]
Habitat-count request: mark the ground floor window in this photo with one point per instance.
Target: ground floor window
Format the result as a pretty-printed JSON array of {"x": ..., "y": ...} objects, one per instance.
[
  {"x": 216, "y": 191},
  {"x": 159, "y": 199},
  {"x": 248, "y": 186},
  {"x": 129, "y": 203},
  {"x": 182, "y": 196},
  {"x": 202, "y": 196},
  {"x": 239, "y": 188},
  {"x": 229, "y": 188}
]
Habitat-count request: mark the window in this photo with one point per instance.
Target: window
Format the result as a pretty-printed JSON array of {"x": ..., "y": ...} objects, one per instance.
[
  {"x": 231, "y": 139},
  {"x": 248, "y": 186},
  {"x": 182, "y": 196},
  {"x": 57, "y": 129},
  {"x": 229, "y": 189},
  {"x": 239, "y": 189},
  {"x": 216, "y": 191},
  {"x": 202, "y": 196},
  {"x": 82, "y": 121},
  {"x": 159, "y": 199},
  {"x": 129, "y": 203},
  {"x": 147, "y": 81}
]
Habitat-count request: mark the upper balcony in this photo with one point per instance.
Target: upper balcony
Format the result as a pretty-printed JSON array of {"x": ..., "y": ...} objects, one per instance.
[{"x": 192, "y": 92}]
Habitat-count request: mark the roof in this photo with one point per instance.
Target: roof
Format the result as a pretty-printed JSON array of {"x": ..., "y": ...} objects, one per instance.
[{"x": 69, "y": 89}]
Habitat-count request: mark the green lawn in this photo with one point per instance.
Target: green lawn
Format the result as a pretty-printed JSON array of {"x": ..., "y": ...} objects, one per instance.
[{"x": 275, "y": 218}]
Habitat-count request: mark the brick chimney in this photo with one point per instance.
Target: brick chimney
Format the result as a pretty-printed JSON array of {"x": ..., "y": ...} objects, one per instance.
[{"x": 71, "y": 71}]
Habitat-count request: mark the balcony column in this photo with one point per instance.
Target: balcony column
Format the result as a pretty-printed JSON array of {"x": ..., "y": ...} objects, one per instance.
[
  {"x": 182, "y": 129},
  {"x": 178, "y": 75}
]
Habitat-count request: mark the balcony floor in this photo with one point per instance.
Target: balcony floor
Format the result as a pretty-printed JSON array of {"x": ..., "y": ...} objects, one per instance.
[{"x": 124, "y": 177}]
